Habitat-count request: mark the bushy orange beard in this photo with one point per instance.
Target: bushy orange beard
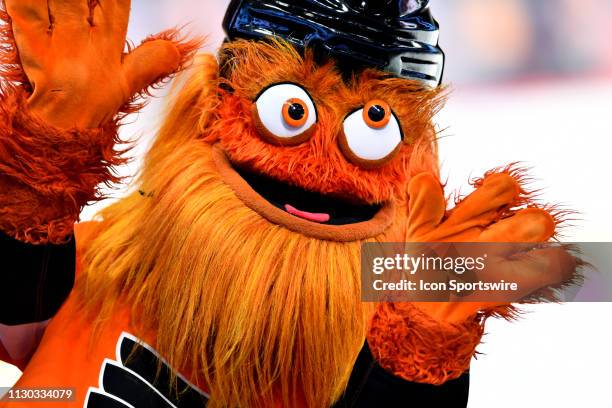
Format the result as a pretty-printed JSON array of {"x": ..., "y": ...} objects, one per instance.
[{"x": 260, "y": 312}]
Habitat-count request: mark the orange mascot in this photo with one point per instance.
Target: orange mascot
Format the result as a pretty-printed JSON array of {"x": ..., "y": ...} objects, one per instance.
[{"x": 231, "y": 276}]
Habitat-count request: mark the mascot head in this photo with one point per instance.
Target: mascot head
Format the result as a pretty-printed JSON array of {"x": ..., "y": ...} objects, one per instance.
[{"x": 277, "y": 160}]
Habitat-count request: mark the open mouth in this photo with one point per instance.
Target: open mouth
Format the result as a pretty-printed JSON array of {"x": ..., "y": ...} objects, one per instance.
[
  {"x": 311, "y": 206},
  {"x": 310, "y": 213}
]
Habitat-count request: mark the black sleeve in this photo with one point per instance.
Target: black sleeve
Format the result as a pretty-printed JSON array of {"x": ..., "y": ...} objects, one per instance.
[
  {"x": 371, "y": 386},
  {"x": 34, "y": 279}
]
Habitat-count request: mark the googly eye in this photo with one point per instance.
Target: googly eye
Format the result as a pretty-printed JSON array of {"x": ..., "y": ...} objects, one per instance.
[
  {"x": 377, "y": 114},
  {"x": 372, "y": 135},
  {"x": 284, "y": 114},
  {"x": 295, "y": 113}
]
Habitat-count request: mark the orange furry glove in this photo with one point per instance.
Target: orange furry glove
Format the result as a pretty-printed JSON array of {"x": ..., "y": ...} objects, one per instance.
[
  {"x": 67, "y": 83},
  {"x": 433, "y": 342}
]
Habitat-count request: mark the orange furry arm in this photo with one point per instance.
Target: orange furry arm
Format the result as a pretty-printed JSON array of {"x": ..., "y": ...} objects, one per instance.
[
  {"x": 411, "y": 344},
  {"x": 48, "y": 174},
  {"x": 432, "y": 342},
  {"x": 58, "y": 124}
]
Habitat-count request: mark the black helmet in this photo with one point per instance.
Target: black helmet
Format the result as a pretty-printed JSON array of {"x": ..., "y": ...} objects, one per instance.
[{"x": 397, "y": 36}]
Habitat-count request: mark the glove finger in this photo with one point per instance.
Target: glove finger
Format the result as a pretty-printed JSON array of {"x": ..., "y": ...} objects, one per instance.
[
  {"x": 511, "y": 235},
  {"x": 426, "y": 206},
  {"x": 151, "y": 62},
  {"x": 484, "y": 205},
  {"x": 30, "y": 23},
  {"x": 73, "y": 8},
  {"x": 112, "y": 18},
  {"x": 532, "y": 271},
  {"x": 31, "y": 11},
  {"x": 120, "y": 9},
  {"x": 31, "y": 41},
  {"x": 527, "y": 225},
  {"x": 71, "y": 15}
]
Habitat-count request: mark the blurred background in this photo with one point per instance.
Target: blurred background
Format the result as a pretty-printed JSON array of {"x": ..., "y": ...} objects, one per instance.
[
  {"x": 529, "y": 81},
  {"x": 496, "y": 41}
]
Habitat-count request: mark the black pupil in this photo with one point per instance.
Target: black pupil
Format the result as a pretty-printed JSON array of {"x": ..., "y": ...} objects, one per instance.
[
  {"x": 296, "y": 111},
  {"x": 376, "y": 113}
]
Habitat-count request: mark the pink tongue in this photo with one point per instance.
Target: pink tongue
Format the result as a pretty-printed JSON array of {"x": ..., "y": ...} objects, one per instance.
[{"x": 306, "y": 215}]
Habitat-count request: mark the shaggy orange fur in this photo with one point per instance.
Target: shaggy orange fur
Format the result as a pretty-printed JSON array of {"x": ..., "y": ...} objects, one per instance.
[
  {"x": 434, "y": 342},
  {"x": 49, "y": 173},
  {"x": 319, "y": 164},
  {"x": 261, "y": 313},
  {"x": 409, "y": 343}
]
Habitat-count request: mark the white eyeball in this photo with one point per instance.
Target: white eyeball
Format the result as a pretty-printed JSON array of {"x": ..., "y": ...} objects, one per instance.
[
  {"x": 372, "y": 135},
  {"x": 285, "y": 114}
]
